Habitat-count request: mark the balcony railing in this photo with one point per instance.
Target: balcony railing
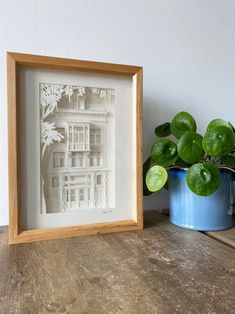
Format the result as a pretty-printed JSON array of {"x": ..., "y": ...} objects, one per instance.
[{"x": 81, "y": 147}]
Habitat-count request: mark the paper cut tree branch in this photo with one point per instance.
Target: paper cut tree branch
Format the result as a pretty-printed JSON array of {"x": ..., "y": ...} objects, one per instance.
[
  {"x": 49, "y": 135},
  {"x": 50, "y": 95}
]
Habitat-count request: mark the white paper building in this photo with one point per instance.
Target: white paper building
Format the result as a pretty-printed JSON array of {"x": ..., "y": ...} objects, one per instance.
[{"x": 74, "y": 170}]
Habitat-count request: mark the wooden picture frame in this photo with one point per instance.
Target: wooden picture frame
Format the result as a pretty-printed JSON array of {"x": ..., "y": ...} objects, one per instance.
[{"x": 15, "y": 63}]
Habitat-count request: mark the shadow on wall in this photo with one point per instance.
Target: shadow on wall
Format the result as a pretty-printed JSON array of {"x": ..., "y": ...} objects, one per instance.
[
  {"x": 155, "y": 113},
  {"x": 158, "y": 201}
]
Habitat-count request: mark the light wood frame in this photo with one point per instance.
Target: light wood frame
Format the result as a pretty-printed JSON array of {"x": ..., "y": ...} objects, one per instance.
[{"x": 14, "y": 61}]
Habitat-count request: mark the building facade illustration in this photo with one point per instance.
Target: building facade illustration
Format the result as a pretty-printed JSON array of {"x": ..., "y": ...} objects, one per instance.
[{"x": 74, "y": 148}]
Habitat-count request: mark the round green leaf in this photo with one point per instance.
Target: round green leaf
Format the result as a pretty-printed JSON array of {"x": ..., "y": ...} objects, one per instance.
[
  {"x": 163, "y": 130},
  {"x": 218, "y": 141},
  {"x": 190, "y": 147},
  {"x": 156, "y": 178},
  {"x": 203, "y": 178},
  {"x": 164, "y": 152},
  {"x": 181, "y": 123},
  {"x": 217, "y": 122},
  {"x": 228, "y": 161},
  {"x": 147, "y": 164}
]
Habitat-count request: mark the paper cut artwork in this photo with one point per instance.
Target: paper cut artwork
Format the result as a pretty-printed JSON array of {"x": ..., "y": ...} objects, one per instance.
[{"x": 76, "y": 122}]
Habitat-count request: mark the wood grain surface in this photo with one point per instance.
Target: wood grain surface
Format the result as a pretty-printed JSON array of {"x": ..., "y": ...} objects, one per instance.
[
  {"x": 161, "y": 269},
  {"x": 225, "y": 236}
]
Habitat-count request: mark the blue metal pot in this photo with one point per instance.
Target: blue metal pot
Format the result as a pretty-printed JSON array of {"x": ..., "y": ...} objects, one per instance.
[{"x": 188, "y": 210}]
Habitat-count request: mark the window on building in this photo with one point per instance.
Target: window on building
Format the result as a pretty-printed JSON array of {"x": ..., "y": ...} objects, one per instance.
[
  {"x": 77, "y": 160},
  {"x": 91, "y": 159},
  {"x": 81, "y": 195},
  {"x": 55, "y": 182},
  {"x": 95, "y": 136},
  {"x": 70, "y": 134},
  {"x": 58, "y": 159},
  {"x": 67, "y": 196},
  {"x": 78, "y": 135},
  {"x": 95, "y": 160},
  {"x": 66, "y": 178},
  {"x": 99, "y": 179},
  {"x": 62, "y": 132},
  {"x": 71, "y": 195}
]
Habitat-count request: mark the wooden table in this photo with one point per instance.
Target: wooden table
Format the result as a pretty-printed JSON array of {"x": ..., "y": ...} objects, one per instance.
[{"x": 162, "y": 269}]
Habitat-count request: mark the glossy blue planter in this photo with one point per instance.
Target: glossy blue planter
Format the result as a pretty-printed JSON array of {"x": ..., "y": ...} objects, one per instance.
[{"x": 188, "y": 210}]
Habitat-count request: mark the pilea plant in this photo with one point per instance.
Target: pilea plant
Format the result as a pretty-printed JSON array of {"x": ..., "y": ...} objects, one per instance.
[{"x": 201, "y": 156}]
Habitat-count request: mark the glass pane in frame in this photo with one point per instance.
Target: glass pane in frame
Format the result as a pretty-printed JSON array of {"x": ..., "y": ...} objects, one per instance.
[{"x": 80, "y": 130}]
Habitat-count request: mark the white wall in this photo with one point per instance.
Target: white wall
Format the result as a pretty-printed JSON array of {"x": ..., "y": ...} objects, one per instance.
[{"x": 187, "y": 48}]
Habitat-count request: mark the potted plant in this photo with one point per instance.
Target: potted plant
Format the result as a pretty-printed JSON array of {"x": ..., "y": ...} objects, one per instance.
[{"x": 197, "y": 170}]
